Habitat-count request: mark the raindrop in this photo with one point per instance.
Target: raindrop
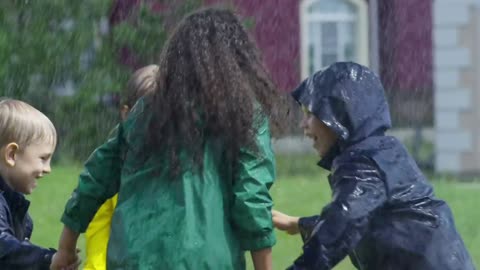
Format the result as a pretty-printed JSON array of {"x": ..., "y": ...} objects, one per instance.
[{"x": 353, "y": 74}]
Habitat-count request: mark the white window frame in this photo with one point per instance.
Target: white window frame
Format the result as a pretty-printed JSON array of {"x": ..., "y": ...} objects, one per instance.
[{"x": 361, "y": 30}]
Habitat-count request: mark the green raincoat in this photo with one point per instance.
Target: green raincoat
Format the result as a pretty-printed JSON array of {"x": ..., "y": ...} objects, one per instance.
[{"x": 203, "y": 220}]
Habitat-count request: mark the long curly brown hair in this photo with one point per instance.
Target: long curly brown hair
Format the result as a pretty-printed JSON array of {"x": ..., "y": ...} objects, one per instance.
[{"x": 211, "y": 82}]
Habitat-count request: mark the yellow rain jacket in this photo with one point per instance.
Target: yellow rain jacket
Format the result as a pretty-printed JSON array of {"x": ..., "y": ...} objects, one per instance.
[{"x": 97, "y": 235}]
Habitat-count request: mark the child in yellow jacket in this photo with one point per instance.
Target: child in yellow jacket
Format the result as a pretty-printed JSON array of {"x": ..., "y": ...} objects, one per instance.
[{"x": 142, "y": 82}]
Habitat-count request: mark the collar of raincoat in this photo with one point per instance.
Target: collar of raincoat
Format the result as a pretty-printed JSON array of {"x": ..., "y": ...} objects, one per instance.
[
  {"x": 15, "y": 199},
  {"x": 349, "y": 99}
]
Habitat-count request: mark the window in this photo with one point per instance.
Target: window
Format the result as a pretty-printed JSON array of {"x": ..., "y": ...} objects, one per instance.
[{"x": 333, "y": 30}]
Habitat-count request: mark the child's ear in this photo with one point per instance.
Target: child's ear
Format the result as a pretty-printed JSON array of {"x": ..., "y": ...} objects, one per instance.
[
  {"x": 10, "y": 154},
  {"x": 124, "y": 111}
]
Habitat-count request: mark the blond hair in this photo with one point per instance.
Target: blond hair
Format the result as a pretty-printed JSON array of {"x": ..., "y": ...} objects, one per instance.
[
  {"x": 23, "y": 124},
  {"x": 142, "y": 82}
]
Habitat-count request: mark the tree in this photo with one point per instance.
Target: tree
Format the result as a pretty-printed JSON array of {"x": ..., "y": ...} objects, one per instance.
[{"x": 62, "y": 57}]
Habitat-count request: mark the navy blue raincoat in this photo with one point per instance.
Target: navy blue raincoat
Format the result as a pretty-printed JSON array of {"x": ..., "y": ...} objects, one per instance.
[
  {"x": 383, "y": 212},
  {"x": 16, "y": 251}
]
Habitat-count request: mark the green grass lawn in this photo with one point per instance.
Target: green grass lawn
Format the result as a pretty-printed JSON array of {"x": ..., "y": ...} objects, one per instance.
[{"x": 304, "y": 194}]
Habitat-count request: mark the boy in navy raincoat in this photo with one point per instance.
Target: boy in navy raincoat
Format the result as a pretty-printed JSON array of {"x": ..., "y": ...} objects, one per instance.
[{"x": 383, "y": 212}]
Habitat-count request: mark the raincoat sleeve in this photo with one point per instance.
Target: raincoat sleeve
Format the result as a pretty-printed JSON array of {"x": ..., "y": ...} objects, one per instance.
[
  {"x": 16, "y": 254},
  {"x": 358, "y": 191},
  {"x": 98, "y": 182},
  {"x": 306, "y": 226},
  {"x": 251, "y": 211}
]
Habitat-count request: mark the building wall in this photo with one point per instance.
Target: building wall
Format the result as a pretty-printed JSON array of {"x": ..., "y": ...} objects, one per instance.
[
  {"x": 406, "y": 59},
  {"x": 406, "y": 44},
  {"x": 457, "y": 85}
]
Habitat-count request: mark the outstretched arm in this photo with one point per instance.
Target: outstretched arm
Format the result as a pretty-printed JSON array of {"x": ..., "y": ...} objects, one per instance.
[
  {"x": 16, "y": 254},
  {"x": 66, "y": 255},
  {"x": 252, "y": 203},
  {"x": 358, "y": 191},
  {"x": 98, "y": 181},
  {"x": 262, "y": 259}
]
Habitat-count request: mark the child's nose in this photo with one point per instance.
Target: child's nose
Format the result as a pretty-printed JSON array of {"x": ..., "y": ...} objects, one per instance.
[{"x": 47, "y": 169}]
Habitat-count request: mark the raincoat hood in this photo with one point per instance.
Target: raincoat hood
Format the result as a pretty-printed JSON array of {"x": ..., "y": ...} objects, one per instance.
[{"x": 349, "y": 98}]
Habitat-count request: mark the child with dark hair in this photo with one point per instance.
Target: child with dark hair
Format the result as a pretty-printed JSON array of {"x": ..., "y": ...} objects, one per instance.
[
  {"x": 383, "y": 212},
  {"x": 192, "y": 163}
]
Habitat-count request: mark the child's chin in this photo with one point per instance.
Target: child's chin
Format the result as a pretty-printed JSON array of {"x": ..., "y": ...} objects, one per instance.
[
  {"x": 29, "y": 190},
  {"x": 24, "y": 191}
]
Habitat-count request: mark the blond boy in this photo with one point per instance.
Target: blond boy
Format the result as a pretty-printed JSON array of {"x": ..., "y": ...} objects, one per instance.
[{"x": 27, "y": 142}]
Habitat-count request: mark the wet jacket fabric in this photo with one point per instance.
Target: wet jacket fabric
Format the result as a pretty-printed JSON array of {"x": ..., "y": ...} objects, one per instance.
[
  {"x": 383, "y": 212},
  {"x": 204, "y": 219},
  {"x": 16, "y": 251},
  {"x": 97, "y": 235}
]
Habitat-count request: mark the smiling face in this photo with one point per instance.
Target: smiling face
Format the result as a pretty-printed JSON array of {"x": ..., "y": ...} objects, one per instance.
[
  {"x": 27, "y": 141},
  {"x": 323, "y": 137},
  {"x": 22, "y": 168}
]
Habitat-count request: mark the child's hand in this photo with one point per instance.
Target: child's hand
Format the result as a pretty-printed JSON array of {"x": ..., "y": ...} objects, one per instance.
[
  {"x": 63, "y": 260},
  {"x": 285, "y": 222}
]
